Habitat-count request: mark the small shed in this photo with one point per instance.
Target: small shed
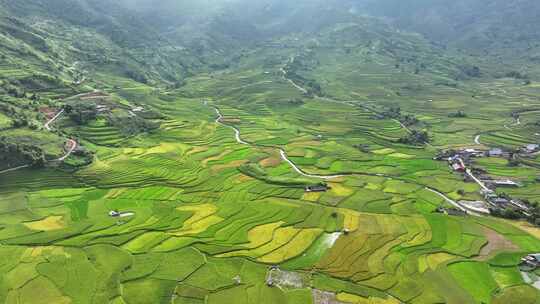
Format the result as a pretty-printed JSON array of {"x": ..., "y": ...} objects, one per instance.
[{"x": 317, "y": 188}]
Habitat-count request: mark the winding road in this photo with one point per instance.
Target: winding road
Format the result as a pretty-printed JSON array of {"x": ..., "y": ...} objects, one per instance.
[
  {"x": 284, "y": 156},
  {"x": 236, "y": 131},
  {"x": 301, "y": 89},
  {"x": 72, "y": 144}
]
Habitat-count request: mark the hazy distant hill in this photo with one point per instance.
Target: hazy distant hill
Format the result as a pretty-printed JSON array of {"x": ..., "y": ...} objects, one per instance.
[{"x": 473, "y": 24}]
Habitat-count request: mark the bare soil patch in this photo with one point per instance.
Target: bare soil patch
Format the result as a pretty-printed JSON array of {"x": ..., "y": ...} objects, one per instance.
[{"x": 496, "y": 242}]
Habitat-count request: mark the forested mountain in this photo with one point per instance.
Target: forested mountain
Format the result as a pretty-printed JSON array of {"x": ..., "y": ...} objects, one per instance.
[{"x": 166, "y": 42}]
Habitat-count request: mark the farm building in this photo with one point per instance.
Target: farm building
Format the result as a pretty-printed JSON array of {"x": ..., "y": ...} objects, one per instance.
[
  {"x": 504, "y": 183},
  {"x": 317, "y": 188}
]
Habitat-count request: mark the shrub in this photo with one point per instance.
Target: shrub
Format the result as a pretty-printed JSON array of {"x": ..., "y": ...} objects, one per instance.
[
  {"x": 458, "y": 114},
  {"x": 415, "y": 138}
]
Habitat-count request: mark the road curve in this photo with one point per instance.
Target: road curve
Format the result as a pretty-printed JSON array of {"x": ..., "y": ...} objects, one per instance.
[
  {"x": 52, "y": 120},
  {"x": 236, "y": 131},
  {"x": 72, "y": 147},
  {"x": 477, "y": 140},
  {"x": 299, "y": 171}
]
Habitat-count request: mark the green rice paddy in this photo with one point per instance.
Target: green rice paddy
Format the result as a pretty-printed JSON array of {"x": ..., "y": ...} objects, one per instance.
[{"x": 208, "y": 216}]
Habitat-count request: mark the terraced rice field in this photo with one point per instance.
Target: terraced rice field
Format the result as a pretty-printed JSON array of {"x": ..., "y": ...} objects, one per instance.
[{"x": 210, "y": 214}]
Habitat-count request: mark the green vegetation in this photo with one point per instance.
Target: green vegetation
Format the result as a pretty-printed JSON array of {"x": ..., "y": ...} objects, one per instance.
[
  {"x": 81, "y": 112},
  {"x": 162, "y": 201}
]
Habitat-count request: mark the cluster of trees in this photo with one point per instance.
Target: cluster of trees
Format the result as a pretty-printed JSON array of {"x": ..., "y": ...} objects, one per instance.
[
  {"x": 301, "y": 63},
  {"x": 416, "y": 138},
  {"x": 137, "y": 75},
  {"x": 516, "y": 75},
  {"x": 18, "y": 87},
  {"x": 519, "y": 76},
  {"x": 506, "y": 213},
  {"x": 395, "y": 113},
  {"x": 312, "y": 87},
  {"x": 14, "y": 154},
  {"x": 458, "y": 114},
  {"x": 10, "y": 87},
  {"x": 467, "y": 71},
  {"x": 81, "y": 112},
  {"x": 82, "y": 157},
  {"x": 362, "y": 147},
  {"x": 17, "y": 117},
  {"x": 408, "y": 120},
  {"x": 532, "y": 216},
  {"x": 391, "y": 112},
  {"x": 132, "y": 125}
]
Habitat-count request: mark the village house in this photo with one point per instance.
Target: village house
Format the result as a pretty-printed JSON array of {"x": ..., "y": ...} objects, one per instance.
[
  {"x": 458, "y": 167},
  {"x": 456, "y": 163},
  {"x": 472, "y": 153},
  {"x": 530, "y": 262}
]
